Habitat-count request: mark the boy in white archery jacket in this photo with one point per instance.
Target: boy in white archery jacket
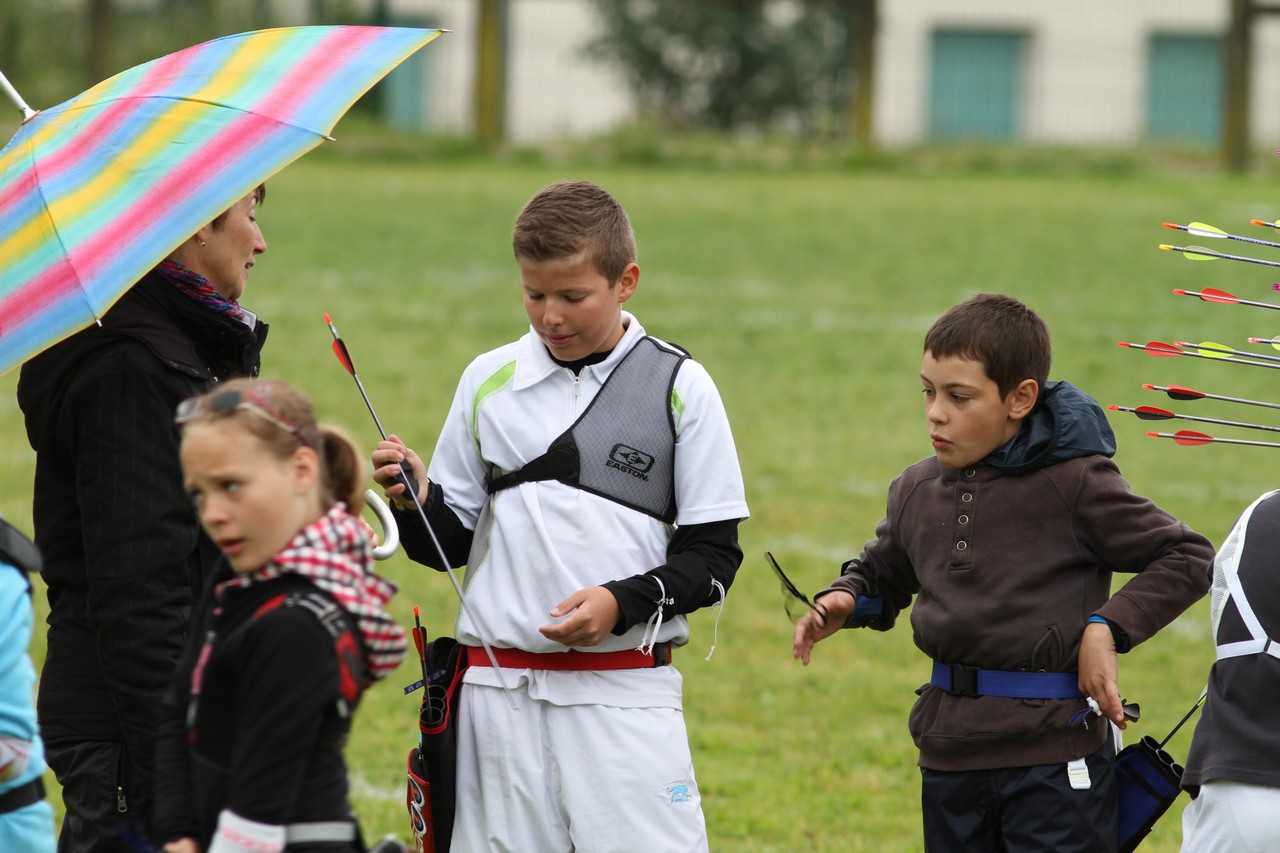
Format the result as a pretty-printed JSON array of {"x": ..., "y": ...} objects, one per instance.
[{"x": 587, "y": 476}]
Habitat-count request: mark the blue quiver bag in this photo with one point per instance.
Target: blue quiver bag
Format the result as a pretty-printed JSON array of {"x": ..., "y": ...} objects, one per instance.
[{"x": 1148, "y": 781}]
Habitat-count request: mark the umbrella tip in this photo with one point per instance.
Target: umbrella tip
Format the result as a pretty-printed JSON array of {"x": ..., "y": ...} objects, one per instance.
[{"x": 326, "y": 317}]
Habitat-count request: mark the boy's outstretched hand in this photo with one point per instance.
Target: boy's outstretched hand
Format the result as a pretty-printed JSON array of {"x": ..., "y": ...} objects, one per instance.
[
  {"x": 592, "y": 614},
  {"x": 832, "y": 609},
  {"x": 1099, "y": 668}
]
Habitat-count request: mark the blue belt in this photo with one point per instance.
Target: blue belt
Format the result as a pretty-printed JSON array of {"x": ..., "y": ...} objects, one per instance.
[{"x": 962, "y": 680}]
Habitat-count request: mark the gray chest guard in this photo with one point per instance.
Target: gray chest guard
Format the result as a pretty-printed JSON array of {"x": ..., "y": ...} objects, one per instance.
[{"x": 623, "y": 446}]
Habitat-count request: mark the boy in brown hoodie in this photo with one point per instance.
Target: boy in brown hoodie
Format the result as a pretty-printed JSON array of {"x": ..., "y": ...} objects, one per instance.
[{"x": 1007, "y": 539}]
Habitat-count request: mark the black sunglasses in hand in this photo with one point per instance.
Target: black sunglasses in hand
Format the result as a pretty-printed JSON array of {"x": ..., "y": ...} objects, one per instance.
[{"x": 797, "y": 604}]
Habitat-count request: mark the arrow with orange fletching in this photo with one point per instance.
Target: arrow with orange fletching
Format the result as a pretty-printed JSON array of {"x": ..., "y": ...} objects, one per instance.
[
  {"x": 1153, "y": 413},
  {"x": 1213, "y": 349},
  {"x": 1210, "y": 294},
  {"x": 1200, "y": 229},
  {"x": 1198, "y": 253},
  {"x": 1181, "y": 392},
  {"x": 411, "y": 485},
  {"x": 1159, "y": 349},
  {"x": 1191, "y": 438}
]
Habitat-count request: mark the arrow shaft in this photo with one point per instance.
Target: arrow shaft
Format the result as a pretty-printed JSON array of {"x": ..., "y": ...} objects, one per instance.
[
  {"x": 1226, "y": 351},
  {"x": 1218, "y": 421},
  {"x": 1217, "y": 233},
  {"x": 1253, "y": 240},
  {"x": 369, "y": 403},
  {"x": 1235, "y": 300},
  {"x": 1163, "y": 352},
  {"x": 1225, "y": 399},
  {"x": 481, "y": 627},
  {"x": 1213, "y": 439},
  {"x": 1196, "y": 250}
]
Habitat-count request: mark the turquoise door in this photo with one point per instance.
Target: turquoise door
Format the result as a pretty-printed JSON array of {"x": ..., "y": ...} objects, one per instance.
[
  {"x": 405, "y": 91},
  {"x": 1185, "y": 89},
  {"x": 975, "y": 84}
]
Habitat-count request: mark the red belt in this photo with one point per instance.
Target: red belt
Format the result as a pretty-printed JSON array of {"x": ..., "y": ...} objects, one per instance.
[{"x": 572, "y": 659}]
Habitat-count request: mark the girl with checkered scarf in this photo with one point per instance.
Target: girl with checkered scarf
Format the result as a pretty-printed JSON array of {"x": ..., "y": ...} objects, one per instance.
[{"x": 291, "y": 631}]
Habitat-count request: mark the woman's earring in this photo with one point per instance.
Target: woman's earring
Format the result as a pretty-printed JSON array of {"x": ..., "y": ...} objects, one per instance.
[{"x": 202, "y": 243}]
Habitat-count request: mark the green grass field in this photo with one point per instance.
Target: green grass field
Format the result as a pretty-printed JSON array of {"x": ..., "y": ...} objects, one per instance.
[{"x": 806, "y": 291}]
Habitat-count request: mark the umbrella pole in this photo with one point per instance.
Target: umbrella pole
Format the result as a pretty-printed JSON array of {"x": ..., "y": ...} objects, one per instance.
[{"x": 26, "y": 111}]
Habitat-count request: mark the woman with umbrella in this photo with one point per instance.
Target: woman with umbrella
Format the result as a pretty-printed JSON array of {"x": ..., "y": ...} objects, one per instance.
[{"x": 123, "y": 554}]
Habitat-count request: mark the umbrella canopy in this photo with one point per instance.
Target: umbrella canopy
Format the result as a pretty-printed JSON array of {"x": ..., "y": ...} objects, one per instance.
[{"x": 98, "y": 190}]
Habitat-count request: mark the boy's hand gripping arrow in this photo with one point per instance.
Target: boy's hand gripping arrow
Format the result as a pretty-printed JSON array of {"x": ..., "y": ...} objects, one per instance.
[{"x": 411, "y": 483}]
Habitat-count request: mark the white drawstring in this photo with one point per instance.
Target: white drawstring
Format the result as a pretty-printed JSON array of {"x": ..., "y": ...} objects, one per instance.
[
  {"x": 655, "y": 621},
  {"x": 719, "y": 606}
]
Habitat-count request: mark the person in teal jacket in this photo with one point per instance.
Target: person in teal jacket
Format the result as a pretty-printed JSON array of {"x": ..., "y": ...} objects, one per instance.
[{"x": 26, "y": 818}]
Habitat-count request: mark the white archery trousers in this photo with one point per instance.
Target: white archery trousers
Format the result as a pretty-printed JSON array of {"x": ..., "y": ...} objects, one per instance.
[{"x": 583, "y": 777}]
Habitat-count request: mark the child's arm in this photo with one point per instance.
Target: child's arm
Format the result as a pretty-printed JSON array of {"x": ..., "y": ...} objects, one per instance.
[
  {"x": 1171, "y": 564},
  {"x": 17, "y": 716},
  {"x": 1099, "y": 671},
  {"x": 832, "y": 611},
  {"x": 883, "y": 570},
  {"x": 702, "y": 562}
]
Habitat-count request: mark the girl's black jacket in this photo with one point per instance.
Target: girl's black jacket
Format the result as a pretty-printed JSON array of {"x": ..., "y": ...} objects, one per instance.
[{"x": 264, "y": 737}]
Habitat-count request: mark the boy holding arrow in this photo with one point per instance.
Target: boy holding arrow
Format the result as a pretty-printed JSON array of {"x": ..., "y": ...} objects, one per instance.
[
  {"x": 586, "y": 474},
  {"x": 1007, "y": 539}
]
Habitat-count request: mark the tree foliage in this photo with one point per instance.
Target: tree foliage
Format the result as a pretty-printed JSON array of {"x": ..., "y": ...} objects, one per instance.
[{"x": 732, "y": 64}]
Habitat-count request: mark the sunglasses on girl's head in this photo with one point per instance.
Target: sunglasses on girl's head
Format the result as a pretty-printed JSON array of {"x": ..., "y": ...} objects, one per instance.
[{"x": 222, "y": 402}]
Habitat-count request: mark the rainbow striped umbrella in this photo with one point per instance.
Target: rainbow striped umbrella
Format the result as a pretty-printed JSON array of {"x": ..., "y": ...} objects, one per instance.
[{"x": 98, "y": 190}]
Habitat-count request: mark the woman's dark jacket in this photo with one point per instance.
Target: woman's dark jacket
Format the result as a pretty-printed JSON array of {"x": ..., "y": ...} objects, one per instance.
[
  {"x": 124, "y": 557},
  {"x": 265, "y": 739}
]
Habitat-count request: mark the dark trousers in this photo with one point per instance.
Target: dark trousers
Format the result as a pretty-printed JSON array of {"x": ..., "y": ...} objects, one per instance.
[
  {"x": 1021, "y": 809},
  {"x": 90, "y": 772}
]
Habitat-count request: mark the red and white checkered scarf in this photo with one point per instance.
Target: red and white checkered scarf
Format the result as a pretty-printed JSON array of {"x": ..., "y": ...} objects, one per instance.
[{"x": 334, "y": 553}]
